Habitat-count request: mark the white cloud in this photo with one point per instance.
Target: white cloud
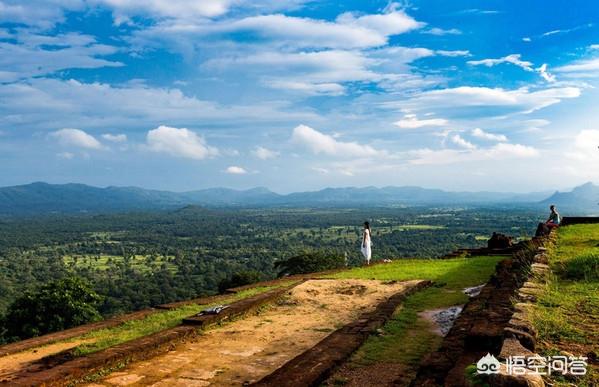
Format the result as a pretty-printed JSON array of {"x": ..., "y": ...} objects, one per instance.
[
  {"x": 326, "y": 88},
  {"x": 411, "y": 121},
  {"x": 513, "y": 59},
  {"x": 461, "y": 142},
  {"x": 526, "y": 39},
  {"x": 594, "y": 47},
  {"x": 37, "y": 13},
  {"x": 586, "y": 68},
  {"x": 439, "y": 31},
  {"x": 585, "y": 147},
  {"x": 549, "y": 33},
  {"x": 28, "y": 56},
  {"x": 115, "y": 137},
  {"x": 453, "y": 53},
  {"x": 318, "y": 142},
  {"x": 34, "y": 103},
  {"x": 519, "y": 100},
  {"x": 394, "y": 22},
  {"x": 77, "y": 138},
  {"x": 179, "y": 143},
  {"x": 179, "y": 9},
  {"x": 545, "y": 74},
  {"x": 501, "y": 151},
  {"x": 347, "y": 32},
  {"x": 235, "y": 170},
  {"x": 479, "y": 133},
  {"x": 264, "y": 153}
]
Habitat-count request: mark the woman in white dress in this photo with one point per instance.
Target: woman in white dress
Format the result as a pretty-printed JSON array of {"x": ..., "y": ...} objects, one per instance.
[{"x": 366, "y": 249}]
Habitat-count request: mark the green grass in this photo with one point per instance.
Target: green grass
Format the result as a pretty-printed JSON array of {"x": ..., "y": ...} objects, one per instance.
[
  {"x": 406, "y": 337},
  {"x": 454, "y": 273},
  {"x": 130, "y": 330},
  {"x": 567, "y": 314}
]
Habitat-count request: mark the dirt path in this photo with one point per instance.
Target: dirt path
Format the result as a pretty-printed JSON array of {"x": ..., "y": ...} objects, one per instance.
[
  {"x": 12, "y": 364},
  {"x": 248, "y": 349}
]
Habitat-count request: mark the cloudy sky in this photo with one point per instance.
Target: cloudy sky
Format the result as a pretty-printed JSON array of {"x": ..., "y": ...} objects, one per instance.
[{"x": 300, "y": 95}]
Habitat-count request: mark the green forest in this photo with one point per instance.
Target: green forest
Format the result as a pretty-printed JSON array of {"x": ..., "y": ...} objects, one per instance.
[{"x": 138, "y": 260}]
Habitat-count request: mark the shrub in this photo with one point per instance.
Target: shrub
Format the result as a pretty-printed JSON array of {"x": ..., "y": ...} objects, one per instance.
[
  {"x": 583, "y": 267},
  {"x": 52, "y": 307},
  {"x": 241, "y": 278},
  {"x": 310, "y": 262}
]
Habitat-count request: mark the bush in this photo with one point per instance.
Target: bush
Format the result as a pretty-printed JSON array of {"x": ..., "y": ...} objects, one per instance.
[
  {"x": 52, "y": 307},
  {"x": 583, "y": 267},
  {"x": 310, "y": 262},
  {"x": 241, "y": 278}
]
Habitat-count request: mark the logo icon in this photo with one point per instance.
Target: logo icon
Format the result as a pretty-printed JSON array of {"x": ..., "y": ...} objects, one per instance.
[{"x": 488, "y": 364}]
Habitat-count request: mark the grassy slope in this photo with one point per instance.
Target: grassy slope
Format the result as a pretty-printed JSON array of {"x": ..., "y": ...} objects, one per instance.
[
  {"x": 406, "y": 338},
  {"x": 567, "y": 316}
]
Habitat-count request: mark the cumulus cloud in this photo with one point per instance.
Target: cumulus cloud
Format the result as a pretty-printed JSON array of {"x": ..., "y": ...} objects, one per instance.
[
  {"x": 76, "y": 138},
  {"x": 180, "y": 9},
  {"x": 115, "y": 137},
  {"x": 479, "y": 133},
  {"x": 235, "y": 170},
  {"x": 179, "y": 143},
  {"x": 264, "y": 153},
  {"x": 461, "y": 142},
  {"x": 411, "y": 121},
  {"x": 347, "y": 32},
  {"x": 318, "y": 143}
]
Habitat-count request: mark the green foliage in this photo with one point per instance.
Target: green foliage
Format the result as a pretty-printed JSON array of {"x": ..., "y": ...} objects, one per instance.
[
  {"x": 54, "y": 306},
  {"x": 310, "y": 262},
  {"x": 139, "y": 260},
  {"x": 583, "y": 267},
  {"x": 242, "y": 278}
]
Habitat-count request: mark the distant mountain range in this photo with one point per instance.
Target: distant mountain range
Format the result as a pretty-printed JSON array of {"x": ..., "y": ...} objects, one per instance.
[{"x": 44, "y": 198}]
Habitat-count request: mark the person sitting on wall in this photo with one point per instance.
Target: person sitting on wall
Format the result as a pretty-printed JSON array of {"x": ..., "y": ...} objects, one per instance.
[{"x": 554, "y": 218}]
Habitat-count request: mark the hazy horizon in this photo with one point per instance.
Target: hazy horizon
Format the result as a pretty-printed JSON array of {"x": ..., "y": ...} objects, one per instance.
[
  {"x": 299, "y": 95},
  {"x": 564, "y": 189}
]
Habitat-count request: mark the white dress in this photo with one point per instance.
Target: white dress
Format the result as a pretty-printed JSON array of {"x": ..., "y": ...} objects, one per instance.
[{"x": 365, "y": 246}]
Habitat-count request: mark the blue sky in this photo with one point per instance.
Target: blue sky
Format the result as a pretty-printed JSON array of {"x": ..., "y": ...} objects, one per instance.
[{"x": 299, "y": 95}]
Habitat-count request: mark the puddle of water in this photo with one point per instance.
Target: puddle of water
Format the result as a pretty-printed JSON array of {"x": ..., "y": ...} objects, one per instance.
[
  {"x": 474, "y": 291},
  {"x": 442, "y": 319}
]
